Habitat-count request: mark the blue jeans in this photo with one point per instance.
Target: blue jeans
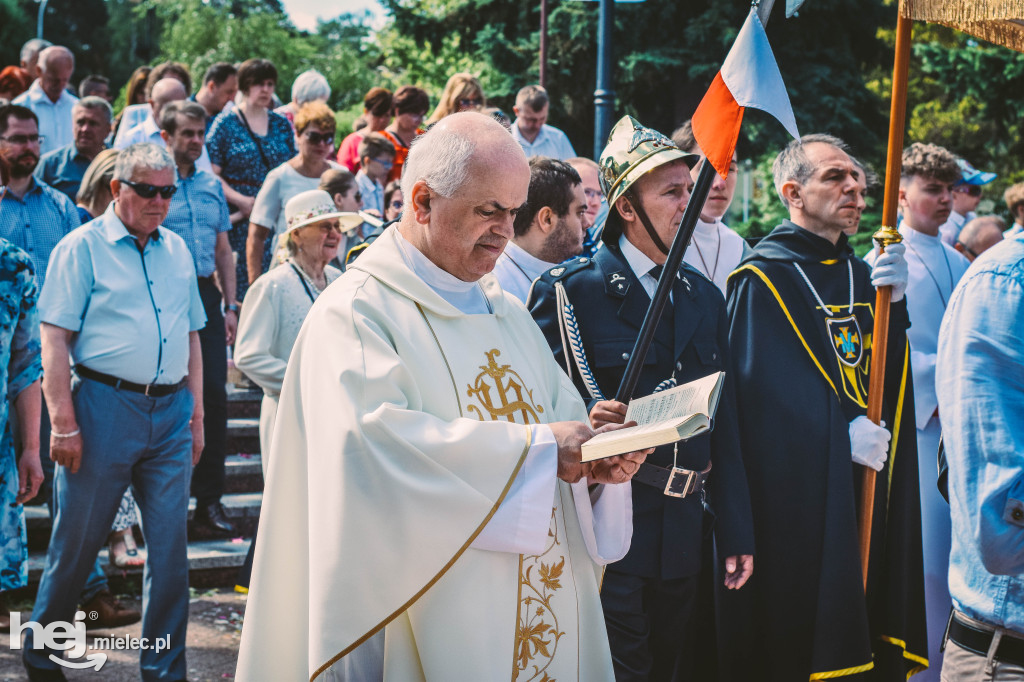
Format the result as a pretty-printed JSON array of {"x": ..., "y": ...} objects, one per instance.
[{"x": 128, "y": 438}]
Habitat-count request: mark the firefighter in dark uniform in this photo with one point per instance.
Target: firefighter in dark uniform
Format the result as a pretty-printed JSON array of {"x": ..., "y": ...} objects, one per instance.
[{"x": 591, "y": 311}]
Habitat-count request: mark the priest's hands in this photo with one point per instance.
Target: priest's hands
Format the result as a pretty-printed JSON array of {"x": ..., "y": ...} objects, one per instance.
[
  {"x": 869, "y": 443},
  {"x": 570, "y": 436},
  {"x": 891, "y": 270}
]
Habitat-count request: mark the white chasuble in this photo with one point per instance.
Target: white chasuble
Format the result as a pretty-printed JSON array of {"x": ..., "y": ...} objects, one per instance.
[{"x": 403, "y": 426}]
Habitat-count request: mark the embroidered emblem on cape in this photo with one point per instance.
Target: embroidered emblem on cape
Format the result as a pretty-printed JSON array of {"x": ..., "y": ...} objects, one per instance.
[
  {"x": 501, "y": 393},
  {"x": 844, "y": 332}
]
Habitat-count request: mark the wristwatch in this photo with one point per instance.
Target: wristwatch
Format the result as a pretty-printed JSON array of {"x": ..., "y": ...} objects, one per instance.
[{"x": 232, "y": 307}]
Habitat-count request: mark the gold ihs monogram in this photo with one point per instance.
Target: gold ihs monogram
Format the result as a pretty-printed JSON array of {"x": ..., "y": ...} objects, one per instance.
[{"x": 502, "y": 393}]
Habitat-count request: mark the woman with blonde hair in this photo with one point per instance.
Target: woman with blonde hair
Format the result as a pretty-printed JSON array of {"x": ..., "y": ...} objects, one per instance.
[
  {"x": 94, "y": 193},
  {"x": 462, "y": 92}
]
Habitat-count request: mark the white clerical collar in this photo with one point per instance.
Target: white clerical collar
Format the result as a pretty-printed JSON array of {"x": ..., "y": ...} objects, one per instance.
[
  {"x": 637, "y": 259},
  {"x": 707, "y": 229},
  {"x": 530, "y": 265},
  {"x": 919, "y": 239},
  {"x": 468, "y": 297}
]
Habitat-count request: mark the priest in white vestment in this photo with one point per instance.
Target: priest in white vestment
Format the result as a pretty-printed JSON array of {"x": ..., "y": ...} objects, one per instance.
[
  {"x": 426, "y": 515},
  {"x": 715, "y": 249},
  {"x": 926, "y": 191},
  {"x": 549, "y": 230}
]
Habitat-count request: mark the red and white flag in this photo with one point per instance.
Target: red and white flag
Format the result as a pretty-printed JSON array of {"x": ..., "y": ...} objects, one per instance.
[{"x": 748, "y": 78}]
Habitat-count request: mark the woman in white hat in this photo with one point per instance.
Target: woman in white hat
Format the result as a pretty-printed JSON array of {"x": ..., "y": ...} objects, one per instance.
[{"x": 277, "y": 303}]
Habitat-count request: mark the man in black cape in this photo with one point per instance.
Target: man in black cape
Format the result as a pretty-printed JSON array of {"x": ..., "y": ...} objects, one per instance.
[{"x": 801, "y": 310}]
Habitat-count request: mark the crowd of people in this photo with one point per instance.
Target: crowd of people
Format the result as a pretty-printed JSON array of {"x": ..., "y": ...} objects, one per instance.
[{"x": 439, "y": 311}]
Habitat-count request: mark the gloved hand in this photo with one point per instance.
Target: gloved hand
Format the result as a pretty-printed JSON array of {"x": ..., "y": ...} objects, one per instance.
[
  {"x": 869, "y": 443},
  {"x": 891, "y": 270}
]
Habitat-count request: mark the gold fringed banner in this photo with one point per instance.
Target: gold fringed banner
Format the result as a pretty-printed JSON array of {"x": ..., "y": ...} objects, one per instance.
[{"x": 997, "y": 21}]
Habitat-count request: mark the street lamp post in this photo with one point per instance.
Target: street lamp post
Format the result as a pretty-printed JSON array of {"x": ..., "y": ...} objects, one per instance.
[
  {"x": 604, "y": 95},
  {"x": 39, "y": 19}
]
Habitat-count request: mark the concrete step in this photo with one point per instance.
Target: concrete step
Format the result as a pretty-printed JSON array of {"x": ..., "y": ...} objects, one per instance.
[
  {"x": 243, "y": 435},
  {"x": 243, "y": 509},
  {"x": 210, "y": 563},
  {"x": 243, "y": 474},
  {"x": 244, "y": 402}
]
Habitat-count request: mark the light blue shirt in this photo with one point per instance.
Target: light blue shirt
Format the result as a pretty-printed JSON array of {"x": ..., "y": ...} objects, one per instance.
[
  {"x": 132, "y": 310},
  {"x": 198, "y": 213},
  {"x": 37, "y": 221},
  {"x": 980, "y": 385},
  {"x": 372, "y": 192},
  {"x": 54, "y": 117},
  {"x": 550, "y": 141}
]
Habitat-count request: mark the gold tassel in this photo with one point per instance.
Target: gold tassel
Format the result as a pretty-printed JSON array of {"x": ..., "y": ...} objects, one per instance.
[{"x": 997, "y": 21}]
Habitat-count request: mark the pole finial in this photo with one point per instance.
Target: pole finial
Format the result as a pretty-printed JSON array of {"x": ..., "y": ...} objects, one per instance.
[{"x": 886, "y": 236}]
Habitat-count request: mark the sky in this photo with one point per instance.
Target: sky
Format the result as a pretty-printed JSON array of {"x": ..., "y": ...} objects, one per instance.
[{"x": 304, "y": 13}]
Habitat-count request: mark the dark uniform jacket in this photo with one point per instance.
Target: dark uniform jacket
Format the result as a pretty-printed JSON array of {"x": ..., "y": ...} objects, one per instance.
[{"x": 691, "y": 341}]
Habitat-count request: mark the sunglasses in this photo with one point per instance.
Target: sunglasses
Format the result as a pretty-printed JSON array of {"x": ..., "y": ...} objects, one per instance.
[
  {"x": 147, "y": 191},
  {"x": 471, "y": 102},
  {"x": 384, "y": 162},
  {"x": 396, "y": 204},
  {"x": 970, "y": 190},
  {"x": 23, "y": 139},
  {"x": 319, "y": 138},
  {"x": 593, "y": 193}
]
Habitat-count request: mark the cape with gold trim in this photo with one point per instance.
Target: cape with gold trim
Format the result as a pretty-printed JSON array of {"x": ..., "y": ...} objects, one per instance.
[{"x": 802, "y": 377}]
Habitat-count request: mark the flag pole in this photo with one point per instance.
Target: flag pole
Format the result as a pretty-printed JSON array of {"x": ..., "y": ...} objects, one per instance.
[
  {"x": 668, "y": 274},
  {"x": 885, "y": 237},
  {"x": 681, "y": 242}
]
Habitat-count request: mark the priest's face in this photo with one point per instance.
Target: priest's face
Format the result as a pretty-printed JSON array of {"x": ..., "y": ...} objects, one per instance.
[
  {"x": 926, "y": 202},
  {"x": 468, "y": 230},
  {"x": 830, "y": 201}
]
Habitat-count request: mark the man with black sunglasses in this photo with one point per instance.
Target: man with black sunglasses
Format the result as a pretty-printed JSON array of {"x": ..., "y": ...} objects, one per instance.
[
  {"x": 967, "y": 193},
  {"x": 122, "y": 308}
]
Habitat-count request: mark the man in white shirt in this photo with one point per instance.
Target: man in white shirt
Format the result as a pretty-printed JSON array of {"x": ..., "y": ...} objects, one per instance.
[
  {"x": 49, "y": 99},
  {"x": 926, "y": 198},
  {"x": 530, "y": 129},
  {"x": 164, "y": 92},
  {"x": 966, "y": 197},
  {"x": 715, "y": 250},
  {"x": 548, "y": 230}
]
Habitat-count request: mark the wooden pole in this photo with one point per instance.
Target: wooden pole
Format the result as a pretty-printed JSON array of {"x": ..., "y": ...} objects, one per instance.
[{"x": 884, "y": 237}]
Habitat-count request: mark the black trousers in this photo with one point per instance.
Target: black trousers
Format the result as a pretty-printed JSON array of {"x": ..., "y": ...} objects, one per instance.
[
  {"x": 208, "y": 475},
  {"x": 650, "y": 626}
]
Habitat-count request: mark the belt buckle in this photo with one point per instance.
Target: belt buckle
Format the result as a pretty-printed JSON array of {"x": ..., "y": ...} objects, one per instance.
[{"x": 680, "y": 482}]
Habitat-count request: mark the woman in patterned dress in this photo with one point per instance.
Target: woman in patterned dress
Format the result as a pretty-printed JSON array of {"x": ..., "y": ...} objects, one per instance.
[{"x": 244, "y": 145}]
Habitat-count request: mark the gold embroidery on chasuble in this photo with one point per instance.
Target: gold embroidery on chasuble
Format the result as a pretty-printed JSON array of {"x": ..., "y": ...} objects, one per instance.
[{"x": 500, "y": 393}]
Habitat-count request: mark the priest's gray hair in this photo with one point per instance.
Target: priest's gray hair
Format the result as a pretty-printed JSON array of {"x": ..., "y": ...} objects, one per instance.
[
  {"x": 441, "y": 158},
  {"x": 792, "y": 162},
  {"x": 144, "y": 155}
]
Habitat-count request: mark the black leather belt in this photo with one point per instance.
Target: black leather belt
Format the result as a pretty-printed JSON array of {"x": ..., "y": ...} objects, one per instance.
[
  {"x": 978, "y": 638},
  {"x": 673, "y": 481},
  {"x": 149, "y": 390}
]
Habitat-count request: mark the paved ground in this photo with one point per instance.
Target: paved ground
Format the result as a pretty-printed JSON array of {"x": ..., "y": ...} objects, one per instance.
[{"x": 214, "y": 630}]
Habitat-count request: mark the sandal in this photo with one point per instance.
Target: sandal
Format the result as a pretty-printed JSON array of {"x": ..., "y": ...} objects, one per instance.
[{"x": 124, "y": 553}]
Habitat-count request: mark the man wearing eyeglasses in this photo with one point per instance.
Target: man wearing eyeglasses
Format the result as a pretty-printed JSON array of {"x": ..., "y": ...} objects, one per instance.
[
  {"x": 966, "y": 196},
  {"x": 531, "y": 128},
  {"x": 33, "y": 215},
  {"x": 123, "y": 308}
]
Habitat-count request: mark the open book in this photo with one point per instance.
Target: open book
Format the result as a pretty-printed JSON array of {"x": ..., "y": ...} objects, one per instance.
[{"x": 677, "y": 414}]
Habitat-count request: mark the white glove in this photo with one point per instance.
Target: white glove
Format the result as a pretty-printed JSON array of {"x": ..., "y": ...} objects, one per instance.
[
  {"x": 891, "y": 270},
  {"x": 869, "y": 443}
]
